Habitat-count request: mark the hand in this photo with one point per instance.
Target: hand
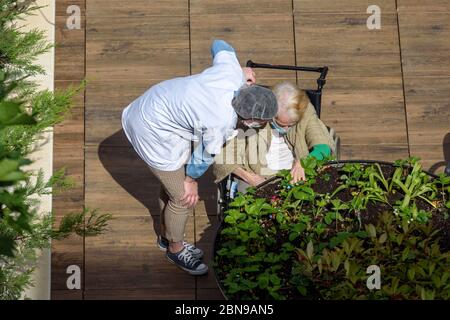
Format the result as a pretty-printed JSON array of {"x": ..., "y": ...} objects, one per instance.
[
  {"x": 254, "y": 179},
  {"x": 190, "y": 197},
  {"x": 250, "y": 77},
  {"x": 297, "y": 172}
]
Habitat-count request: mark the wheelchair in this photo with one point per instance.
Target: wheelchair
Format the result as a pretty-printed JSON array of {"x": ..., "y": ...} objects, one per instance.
[{"x": 225, "y": 188}]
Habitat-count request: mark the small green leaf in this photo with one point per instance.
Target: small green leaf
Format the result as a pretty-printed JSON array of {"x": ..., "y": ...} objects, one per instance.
[
  {"x": 411, "y": 274},
  {"x": 263, "y": 281},
  {"x": 302, "y": 290},
  {"x": 280, "y": 218},
  {"x": 310, "y": 250},
  {"x": 7, "y": 245},
  {"x": 293, "y": 236},
  {"x": 371, "y": 231}
]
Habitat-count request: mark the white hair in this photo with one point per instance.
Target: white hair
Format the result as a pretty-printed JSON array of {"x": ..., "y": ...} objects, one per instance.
[{"x": 291, "y": 99}]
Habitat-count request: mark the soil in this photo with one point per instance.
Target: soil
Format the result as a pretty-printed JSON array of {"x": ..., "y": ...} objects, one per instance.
[
  {"x": 329, "y": 179},
  {"x": 326, "y": 182}
]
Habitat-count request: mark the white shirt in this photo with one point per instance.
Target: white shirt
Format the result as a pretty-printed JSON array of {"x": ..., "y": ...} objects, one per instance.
[
  {"x": 162, "y": 122},
  {"x": 279, "y": 156}
]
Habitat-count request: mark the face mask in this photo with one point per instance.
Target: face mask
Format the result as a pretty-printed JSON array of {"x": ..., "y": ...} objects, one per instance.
[{"x": 281, "y": 131}]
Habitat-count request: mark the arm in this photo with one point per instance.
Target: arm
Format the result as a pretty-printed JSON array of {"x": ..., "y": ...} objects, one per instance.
[
  {"x": 320, "y": 151},
  {"x": 199, "y": 162},
  {"x": 317, "y": 136},
  {"x": 220, "y": 45},
  {"x": 226, "y": 63},
  {"x": 252, "y": 179}
]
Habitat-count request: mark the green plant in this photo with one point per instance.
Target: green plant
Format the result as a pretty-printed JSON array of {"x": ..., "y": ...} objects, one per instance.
[
  {"x": 25, "y": 113},
  {"x": 411, "y": 263},
  {"x": 298, "y": 243}
]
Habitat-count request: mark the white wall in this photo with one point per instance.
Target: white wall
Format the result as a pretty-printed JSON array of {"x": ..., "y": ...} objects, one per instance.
[{"x": 43, "y": 156}]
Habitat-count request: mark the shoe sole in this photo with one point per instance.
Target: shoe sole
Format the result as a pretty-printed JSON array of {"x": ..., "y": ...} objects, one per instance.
[
  {"x": 160, "y": 247},
  {"x": 191, "y": 272}
]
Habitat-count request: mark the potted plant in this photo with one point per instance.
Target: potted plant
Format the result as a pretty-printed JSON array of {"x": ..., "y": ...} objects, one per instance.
[{"x": 317, "y": 239}]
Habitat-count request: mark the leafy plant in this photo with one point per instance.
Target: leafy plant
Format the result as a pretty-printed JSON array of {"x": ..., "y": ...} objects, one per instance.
[
  {"x": 411, "y": 262},
  {"x": 299, "y": 243},
  {"x": 25, "y": 113}
]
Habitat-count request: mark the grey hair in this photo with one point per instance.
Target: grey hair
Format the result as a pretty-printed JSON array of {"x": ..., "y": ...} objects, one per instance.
[{"x": 292, "y": 99}]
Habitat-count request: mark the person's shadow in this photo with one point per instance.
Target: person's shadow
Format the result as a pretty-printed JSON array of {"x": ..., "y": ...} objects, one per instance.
[
  {"x": 446, "y": 153},
  {"x": 123, "y": 164},
  {"x": 133, "y": 175}
]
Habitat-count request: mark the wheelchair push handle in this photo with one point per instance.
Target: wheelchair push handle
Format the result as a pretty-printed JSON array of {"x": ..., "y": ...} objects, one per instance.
[{"x": 322, "y": 70}]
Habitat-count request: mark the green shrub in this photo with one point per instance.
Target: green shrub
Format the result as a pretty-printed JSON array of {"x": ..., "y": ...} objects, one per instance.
[{"x": 25, "y": 113}]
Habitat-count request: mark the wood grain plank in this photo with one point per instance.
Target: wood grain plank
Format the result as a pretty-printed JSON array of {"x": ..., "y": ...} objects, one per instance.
[
  {"x": 69, "y": 50},
  {"x": 62, "y": 5},
  {"x": 346, "y": 45},
  {"x": 240, "y": 7},
  {"x": 364, "y": 110},
  {"x": 421, "y": 6},
  {"x": 209, "y": 294},
  {"x": 262, "y": 38},
  {"x": 65, "y": 253},
  {"x": 425, "y": 45},
  {"x": 141, "y": 294},
  {"x": 428, "y": 108},
  {"x": 136, "y": 8},
  {"x": 342, "y": 7},
  {"x": 434, "y": 157},
  {"x": 72, "y": 159},
  {"x": 105, "y": 102},
  {"x": 137, "y": 48},
  {"x": 127, "y": 257},
  {"x": 66, "y": 295},
  {"x": 70, "y": 132},
  {"x": 205, "y": 233},
  {"x": 125, "y": 60},
  {"x": 379, "y": 152},
  {"x": 159, "y": 31},
  {"x": 119, "y": 182}
]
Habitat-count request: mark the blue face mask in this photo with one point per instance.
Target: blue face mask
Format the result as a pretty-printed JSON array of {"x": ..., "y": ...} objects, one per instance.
[{"x": 281, "y": 131}]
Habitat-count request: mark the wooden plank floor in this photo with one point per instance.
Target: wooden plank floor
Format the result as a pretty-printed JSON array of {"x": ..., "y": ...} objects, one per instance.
[{"x": 387, "y": 96}]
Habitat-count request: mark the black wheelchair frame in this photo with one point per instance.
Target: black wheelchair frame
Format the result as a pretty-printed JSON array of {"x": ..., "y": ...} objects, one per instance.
[{"x": 224, "y": 191}]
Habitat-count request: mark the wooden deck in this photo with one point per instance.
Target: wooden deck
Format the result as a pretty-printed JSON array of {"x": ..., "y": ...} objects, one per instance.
[{"x": 387, "y": 96}]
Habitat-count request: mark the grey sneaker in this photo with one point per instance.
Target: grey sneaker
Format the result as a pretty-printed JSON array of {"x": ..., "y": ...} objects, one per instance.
[
  {"x": 188, "y": 262},
  {"x": 163, "y": 244}
]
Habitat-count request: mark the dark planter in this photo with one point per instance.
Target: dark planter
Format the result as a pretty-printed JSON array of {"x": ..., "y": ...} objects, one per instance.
[{"x": 331, "y": 163}]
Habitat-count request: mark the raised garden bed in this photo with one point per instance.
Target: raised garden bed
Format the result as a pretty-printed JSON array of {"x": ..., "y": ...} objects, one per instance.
[{"x": 316, "y": 239}]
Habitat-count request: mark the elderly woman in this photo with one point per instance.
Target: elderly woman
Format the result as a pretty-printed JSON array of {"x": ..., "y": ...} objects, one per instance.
[{"x": 295, "y": 133}]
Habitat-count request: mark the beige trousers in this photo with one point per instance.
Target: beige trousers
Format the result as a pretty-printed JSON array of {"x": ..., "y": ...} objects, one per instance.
[{"x": 173, "y": 215}]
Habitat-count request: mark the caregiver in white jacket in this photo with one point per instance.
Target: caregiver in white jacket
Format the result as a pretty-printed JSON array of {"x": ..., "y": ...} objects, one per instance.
[{"x": 162, "y": 123}]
